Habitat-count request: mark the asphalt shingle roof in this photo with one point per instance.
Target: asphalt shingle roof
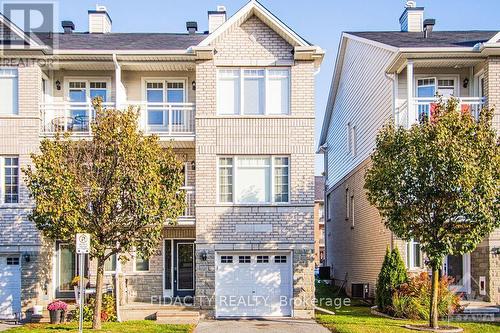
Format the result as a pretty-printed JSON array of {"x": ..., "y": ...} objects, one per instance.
[
  {"x": 124, "y": 41},
  {"x": 436, "y": 39}
]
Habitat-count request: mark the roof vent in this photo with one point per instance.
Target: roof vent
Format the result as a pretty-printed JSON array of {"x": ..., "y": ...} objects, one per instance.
[
  {"x": 99, "y": 20},
  {"x": 68, "y": 26},
  {"x": 428, "y": 27},
  {"x": 216, "y": 18},
  {"x": 192, "y": 27},
  {"x": 412, "y": 18}
]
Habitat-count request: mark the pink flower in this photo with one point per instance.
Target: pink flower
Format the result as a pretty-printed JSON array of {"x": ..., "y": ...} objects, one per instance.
[{"x": 57, "y": 305}]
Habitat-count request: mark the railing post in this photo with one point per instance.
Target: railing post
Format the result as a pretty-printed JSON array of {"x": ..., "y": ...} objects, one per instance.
[
  {"x": 90, "y": 107},
  {"x": 169, "y": 119},
  {"x": 66, "y": 116}
]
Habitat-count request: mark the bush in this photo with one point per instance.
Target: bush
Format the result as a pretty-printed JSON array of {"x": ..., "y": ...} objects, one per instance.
[
  {"x": 108, "y": 312},
  {"x": 412, "y": 300},
  {"x": 392, "y": 274}
]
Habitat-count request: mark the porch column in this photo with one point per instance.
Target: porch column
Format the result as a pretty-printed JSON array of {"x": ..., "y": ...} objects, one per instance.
[
  {"x": 412, "y": 118},
  {"x": 121, "y": 97}
]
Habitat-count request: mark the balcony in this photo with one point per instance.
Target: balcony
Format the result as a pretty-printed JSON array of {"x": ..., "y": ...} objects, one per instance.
[
  {"x": 188, "y": 217},
  {"x": 170, "y": 120},
  {"x": 411, "y": 111}
]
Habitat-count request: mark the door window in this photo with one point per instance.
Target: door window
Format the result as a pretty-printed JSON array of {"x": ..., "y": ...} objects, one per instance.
[
  {"x": 455, "y": 268},
  {"x": 446, "y": 88},
  {"x": 67, "y": 267},
  {"x": 185, "y": 266}
]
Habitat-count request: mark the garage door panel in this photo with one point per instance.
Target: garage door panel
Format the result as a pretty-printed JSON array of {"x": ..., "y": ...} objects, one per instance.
[{"x": 255, "y": 282}]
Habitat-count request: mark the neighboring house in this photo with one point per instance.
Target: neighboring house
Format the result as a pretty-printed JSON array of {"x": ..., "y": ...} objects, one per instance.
[
  {"x": 394, "y": 76},
  {"x": 237, "y": 105},
  {"x": 319, "y": 220}
]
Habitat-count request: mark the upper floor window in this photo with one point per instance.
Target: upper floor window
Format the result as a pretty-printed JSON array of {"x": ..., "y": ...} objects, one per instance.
[
  {"x": 9, "y": 179},
  {"x": 352, "y": 139},
  {"x": 244, "y": 179},
  {"x": 413, "y": 255},
  {"x": 253, "y": 91},
  {"x": 159, "y": 93},
  {"x": 8, "y": 91}
]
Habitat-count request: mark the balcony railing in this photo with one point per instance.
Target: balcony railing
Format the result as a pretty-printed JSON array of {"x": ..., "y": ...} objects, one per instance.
[
  {"x": 163, "y": 119},
  {"x": 190, "y": 201},
  {"x": 424, "y": 105}
]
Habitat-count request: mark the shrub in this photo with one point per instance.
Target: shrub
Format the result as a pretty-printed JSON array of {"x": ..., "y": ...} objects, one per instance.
[
  {"x": 108, "y": 312},
  {"x": 412, "y": 300},
  {"x": 392, "y": 274}
]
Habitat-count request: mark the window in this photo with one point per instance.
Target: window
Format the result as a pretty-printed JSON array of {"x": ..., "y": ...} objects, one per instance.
[
  {"x": 226, "y": 259},
  {"x": 253, "y": 91},
  {"x": 347, "y": 211},
  {"x": 413, "y": 255},
  {"x": 13, "y": 261},
  {"x": 328, "y": 207},
  {"x": 9, "y": 180},
  {"x": 280, "y": 259},
  {"x": 141, "y": 263},
  {"x": 262, "y": 259},
  {"x": 244, "y": 259},
  {"x": 351, "y": 204},
  {"x": 254, "y": 179},
  {"x": 8, "y": 91},
  {"x": 351, "y": 139},
  {"x": 160, "y": 92},
  {"x": 354, "y": 138},
  {"x": 110, "y": 264}
]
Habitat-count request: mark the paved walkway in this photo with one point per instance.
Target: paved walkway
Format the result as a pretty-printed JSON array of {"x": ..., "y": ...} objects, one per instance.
[
  {"x": 260, "y": 326},
  {"x": 4, "y": 327}
]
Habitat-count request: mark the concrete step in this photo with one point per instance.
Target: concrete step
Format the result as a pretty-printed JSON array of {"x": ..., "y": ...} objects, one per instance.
[{"x": 172, "y": 316}]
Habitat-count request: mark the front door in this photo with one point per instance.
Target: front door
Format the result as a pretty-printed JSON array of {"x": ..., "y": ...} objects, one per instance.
[
  {"x": 184, "y": 268},
  {"x": 458, "y": 268}
]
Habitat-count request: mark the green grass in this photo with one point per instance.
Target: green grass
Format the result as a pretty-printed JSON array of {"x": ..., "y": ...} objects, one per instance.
[
  {"x": 358, "y": 319},
  {"x": 142, "y": 326}
]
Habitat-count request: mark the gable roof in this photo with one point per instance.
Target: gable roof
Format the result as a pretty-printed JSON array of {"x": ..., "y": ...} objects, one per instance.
[
  {"x": 11, "y": 34},
  {"x": 436, "y": 39},
  {"x": 253, "y": 7},
  {"x": 123, "y": 41}
]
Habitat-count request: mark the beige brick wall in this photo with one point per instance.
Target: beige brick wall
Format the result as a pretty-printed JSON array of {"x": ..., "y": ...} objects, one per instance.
[{"x": 254, "y": 44}]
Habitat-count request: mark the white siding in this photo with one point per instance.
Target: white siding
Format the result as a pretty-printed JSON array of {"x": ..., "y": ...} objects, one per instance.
[{"x": 364, "y": 98}]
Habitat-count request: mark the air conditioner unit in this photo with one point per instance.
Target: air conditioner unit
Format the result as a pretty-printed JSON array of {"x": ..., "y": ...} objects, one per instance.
[{"x": 360, "y": 290}]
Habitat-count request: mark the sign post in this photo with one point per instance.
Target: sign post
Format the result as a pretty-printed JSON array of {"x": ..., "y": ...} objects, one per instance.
[{"x": 82, "y": 248}]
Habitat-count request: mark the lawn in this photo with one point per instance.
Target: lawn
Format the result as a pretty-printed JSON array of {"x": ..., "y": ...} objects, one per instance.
[
  {"x": 358, "y": 319},
  {"x": 142, "y": 326}
]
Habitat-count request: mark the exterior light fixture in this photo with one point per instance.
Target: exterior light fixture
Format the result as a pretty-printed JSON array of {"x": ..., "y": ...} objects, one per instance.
[
  {"x": 193, "y": 85},
  {"x": 204, "y": 255},
  {"x": 58, "y": 85},
  {"x": 466, "y": 82},
  {"x": 27, "y": 257}
]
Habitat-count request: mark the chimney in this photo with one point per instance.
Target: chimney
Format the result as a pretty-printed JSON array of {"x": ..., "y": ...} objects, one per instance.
[
  {"x": 428, "y": 27},
  {"x": 412, "y": 18},
  {"x": 216, "y": 18},
  {"x": 99, "y": 20},
  {"x": 68, "y": 26},
  {"x": 192, "y": 27}
]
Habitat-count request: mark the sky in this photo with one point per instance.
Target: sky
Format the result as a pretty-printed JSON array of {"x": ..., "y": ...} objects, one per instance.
[{"x": 319, "y": 21}]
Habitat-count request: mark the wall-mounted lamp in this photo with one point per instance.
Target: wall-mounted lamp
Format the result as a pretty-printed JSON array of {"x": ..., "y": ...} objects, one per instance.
[
  {"x": 58, "y": 85},
  {"x": 495, "y": 250},
  {"x": 193, "y": 165},
  {"x": 203, "y": 255},
  {"x": 466, "y": 82},
  {"x": 193, "y": 85},
  {"x": 26, "y": 257}
]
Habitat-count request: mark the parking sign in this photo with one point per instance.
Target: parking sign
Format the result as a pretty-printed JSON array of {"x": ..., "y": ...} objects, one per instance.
[{"x": 82, "y": 243}]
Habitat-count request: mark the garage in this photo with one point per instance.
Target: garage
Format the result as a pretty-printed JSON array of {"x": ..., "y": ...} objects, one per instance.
[
  {"x": 254, "y": 284},
  {"x": 10, "y": 287}
]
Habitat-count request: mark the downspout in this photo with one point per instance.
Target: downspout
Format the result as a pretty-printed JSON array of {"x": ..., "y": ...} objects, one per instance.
[
  {"x": 120, "y": 89},
  {"x": 323, "y": 150}
]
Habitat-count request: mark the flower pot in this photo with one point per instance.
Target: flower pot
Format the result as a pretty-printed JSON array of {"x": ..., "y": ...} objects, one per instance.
[
  {"x": 63, "y": 316},
  {"x": 55, "y": 316}
]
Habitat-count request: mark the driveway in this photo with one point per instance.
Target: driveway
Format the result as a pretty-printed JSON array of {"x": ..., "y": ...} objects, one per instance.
[{"x": 260, "y": 326}]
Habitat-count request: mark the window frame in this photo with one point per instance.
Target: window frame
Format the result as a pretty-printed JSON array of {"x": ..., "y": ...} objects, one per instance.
[
  {"x": 88, "y": 80},
  {"x": 15, "y": 98},
  {"x": 410, "y": 255},
  {"x": 241, "y": 112},
  {"x": 234, "y": 185},
  {"x": 115, "y": 263},
  {"x": 3, "y": 184},
  {"x": 136, "y": 255}
]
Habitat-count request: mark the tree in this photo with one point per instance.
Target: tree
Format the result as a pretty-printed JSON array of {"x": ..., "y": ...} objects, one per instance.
[
  {"x": 392, "y": 274},
  {"x": 121, "y": 187},
  {"x": 438, "y": 183}
]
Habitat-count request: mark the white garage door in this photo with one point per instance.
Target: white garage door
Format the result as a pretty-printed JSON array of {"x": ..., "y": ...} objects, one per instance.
[
  {"x": 10, "y": 287},
  {"x": 253, "y": 284}
]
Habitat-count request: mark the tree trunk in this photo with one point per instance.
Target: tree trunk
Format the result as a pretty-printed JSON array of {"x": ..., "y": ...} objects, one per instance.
[
  {"x": 433, "y": 318},
  {"x": 96, "y": 323}
]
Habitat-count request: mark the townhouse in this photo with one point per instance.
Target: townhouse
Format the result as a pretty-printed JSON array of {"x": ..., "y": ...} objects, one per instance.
[
  {"x": 237, "y": 105},
  {"x": 394, "y": 76}
]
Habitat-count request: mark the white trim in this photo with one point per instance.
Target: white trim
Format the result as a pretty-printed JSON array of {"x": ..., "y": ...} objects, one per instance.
[
  {"x": 466, "y": 270},
  {"x": 370, "y": 42},
  {"x": 18, "y": 31},
  {"x": 255, "y": 8},
  {"x": 87, "y": 80}
]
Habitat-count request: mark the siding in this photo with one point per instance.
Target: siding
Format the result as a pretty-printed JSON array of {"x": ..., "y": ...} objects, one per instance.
[{"x": 364, "y": 98}]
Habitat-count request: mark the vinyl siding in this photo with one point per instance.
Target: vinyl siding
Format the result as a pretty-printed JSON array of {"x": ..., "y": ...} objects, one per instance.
[{"x": 364, "y": 98}]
